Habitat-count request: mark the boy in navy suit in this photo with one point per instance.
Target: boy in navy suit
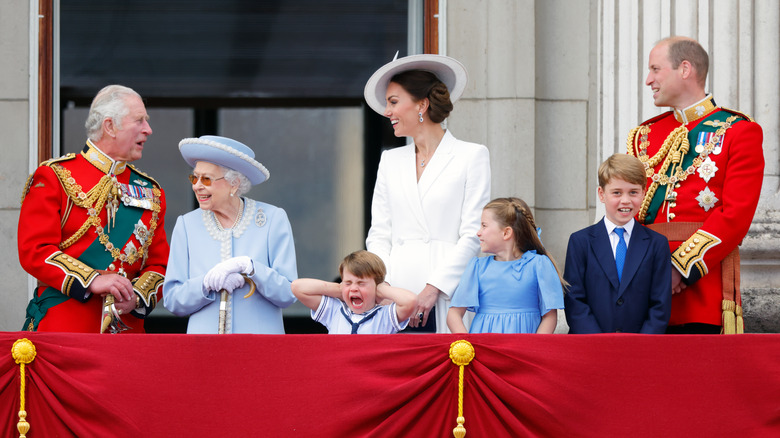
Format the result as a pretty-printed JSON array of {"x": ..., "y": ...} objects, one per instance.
[{"x": 619, "y": 271}]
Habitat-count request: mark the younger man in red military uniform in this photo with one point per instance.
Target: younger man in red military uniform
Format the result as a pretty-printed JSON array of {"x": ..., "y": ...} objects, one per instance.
[
  {"x": 705, "y": 168},
  {"x": 91, "y": 224}
]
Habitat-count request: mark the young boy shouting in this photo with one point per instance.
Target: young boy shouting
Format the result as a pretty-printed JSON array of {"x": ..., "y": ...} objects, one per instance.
[
  {"x": 619, "y": 271},
  {"x": 351, "y": 306}
]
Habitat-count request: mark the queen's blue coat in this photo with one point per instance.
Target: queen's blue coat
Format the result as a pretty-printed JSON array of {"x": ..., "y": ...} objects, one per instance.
[{"x": 197, "y": 244}]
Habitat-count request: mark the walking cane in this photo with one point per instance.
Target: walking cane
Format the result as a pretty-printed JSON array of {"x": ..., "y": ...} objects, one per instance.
[{"x": 223, "y": 299}]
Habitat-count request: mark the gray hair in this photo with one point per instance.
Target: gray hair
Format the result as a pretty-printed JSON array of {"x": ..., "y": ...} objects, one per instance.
[
  {"x": 236, "y": 178},
  {"x": 109, "y": 103}
]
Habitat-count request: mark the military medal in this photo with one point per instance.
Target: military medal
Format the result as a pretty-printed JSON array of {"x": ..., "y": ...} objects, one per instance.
[
  {"x": 702, "y": 140},
  {"x": 717, "y": 138},
  {"x": 707, "y": 199},
  {"x": 718, "y": 145},
  {"x": 707, "y": 169}
]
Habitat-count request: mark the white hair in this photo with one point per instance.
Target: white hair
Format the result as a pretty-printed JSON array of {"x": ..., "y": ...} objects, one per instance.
[
  {"x": 109, "y": 103},
  {"x": 236, "y": 178}
]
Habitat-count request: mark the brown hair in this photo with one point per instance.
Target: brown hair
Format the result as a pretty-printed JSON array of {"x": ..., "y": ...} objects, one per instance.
[
  {"x": 425, "y": 85},
  {"x": 364, "y": 264},
  {"x": 625, "y": 167},
  {"x": 687, "y": 49},
  {"x": 515, "y": 213}
]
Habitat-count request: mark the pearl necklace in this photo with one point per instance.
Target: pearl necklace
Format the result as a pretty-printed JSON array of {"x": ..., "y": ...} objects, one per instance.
[
  {"x": 226, "y": 236},
  {"x": 236, "y": 221}
]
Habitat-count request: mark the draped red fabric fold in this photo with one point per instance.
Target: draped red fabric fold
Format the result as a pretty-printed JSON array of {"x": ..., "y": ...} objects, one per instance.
[{"x": 393, "y": 385}]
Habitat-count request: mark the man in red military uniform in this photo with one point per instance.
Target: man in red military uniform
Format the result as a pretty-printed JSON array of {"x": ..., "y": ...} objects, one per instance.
[
  {"x": 91, "y": 227},
  {"x": 705, "y": 168}
]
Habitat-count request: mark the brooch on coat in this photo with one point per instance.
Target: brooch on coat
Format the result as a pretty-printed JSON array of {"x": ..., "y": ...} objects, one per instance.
[{"x": 260, "y": 217}]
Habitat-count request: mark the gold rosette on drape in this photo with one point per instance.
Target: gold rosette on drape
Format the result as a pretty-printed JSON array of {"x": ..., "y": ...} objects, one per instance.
[
  {"x": 23, "y": 352},
  {"x": 461, "y": 353}
]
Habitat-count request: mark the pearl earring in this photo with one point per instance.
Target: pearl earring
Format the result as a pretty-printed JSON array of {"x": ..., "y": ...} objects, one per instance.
[{"x": 421, "y": 119}]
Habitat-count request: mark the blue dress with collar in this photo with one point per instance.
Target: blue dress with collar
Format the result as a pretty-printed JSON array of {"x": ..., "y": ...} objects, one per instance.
[{"x": 511, "y": 296}]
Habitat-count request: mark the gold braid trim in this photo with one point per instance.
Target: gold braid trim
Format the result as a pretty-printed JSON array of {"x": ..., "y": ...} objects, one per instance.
[
  {"x": 675, "y": 147},
  {"x": 94, "y": 201},
  {"x": 73, "y": 268},
  {"x": 26, "y": 189},
  {"x": 691, "y": 253},
  {"x": 146, "y": 285},
  {"x": 144, "y": 174},
  {"x": 672, "y": 151},
  {"x": 47, "y": 163},
  {"x": 639, "y": 148},
  {"x": 739, "y": 113}
]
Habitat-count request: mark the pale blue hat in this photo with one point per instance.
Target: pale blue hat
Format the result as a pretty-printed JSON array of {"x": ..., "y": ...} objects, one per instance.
[{"x": 225, "y": 152}]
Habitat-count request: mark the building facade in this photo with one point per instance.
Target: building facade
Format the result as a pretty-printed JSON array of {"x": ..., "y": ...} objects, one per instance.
[{"x": 555, "y": 86}]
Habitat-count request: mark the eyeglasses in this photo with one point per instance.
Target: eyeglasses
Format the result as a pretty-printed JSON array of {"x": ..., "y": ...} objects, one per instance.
[{"x": 203, "y": 179}]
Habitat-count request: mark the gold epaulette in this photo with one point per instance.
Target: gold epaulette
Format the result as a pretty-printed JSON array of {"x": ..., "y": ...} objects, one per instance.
[
  {"x": 739, "y": 113},
  {"x": 51, "y": 161},
  {"x": 46, "y": 163},
  {"x": 138, "y": 171}
]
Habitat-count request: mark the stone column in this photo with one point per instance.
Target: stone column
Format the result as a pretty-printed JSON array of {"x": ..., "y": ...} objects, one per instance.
[
  {"x": 743, "y": 40},
  {"x": 15, "y": 124}
]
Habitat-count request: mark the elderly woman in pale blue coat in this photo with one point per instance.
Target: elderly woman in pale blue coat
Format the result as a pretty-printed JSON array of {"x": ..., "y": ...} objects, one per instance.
[{"x": 229, "y": 238}]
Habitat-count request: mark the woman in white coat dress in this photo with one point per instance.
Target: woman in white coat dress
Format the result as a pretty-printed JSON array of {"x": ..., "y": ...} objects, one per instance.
[
  {"x": 227, "y": 236},
  {"x": 429, "y": 195}
]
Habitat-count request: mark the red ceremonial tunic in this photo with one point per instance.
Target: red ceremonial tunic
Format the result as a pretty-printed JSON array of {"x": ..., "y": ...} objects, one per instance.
[
  {"x": 718, "y": 186},
  {"x": 60, "y": 244}
]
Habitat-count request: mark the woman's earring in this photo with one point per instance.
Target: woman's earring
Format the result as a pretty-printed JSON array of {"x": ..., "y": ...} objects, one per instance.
[
  {"x": 421, "y": 119},
  {"x": 232, "y": 194}
]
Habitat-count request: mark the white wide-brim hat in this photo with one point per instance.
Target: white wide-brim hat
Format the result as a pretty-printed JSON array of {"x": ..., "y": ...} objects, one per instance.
[
  {"x": 448, "y": 70},
  {"x": 224, "y": 152}
]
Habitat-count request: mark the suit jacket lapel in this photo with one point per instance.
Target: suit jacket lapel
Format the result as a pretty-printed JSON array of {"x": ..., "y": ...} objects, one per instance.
[
  {"x": 408, "y": 178},
  {"x": 637, "y": 247},
  {"x": 603, "y": 252},
  {"x": 439, "y": 161}
]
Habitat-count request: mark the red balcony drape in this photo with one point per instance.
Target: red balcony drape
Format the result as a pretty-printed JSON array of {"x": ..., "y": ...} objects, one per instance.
[{"x": 393, "y": 385}]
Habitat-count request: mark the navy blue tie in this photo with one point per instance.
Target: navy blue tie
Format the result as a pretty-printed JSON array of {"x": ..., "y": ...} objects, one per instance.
[
  {"x": 620, "y": 252},
  {"x": 356, "y": 325}
]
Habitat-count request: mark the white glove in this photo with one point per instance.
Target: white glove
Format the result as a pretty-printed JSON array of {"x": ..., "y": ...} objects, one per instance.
[
  {"x": 240, "y": 264},
  {"x": 232, "y": 282},
  {"x": 215, "y": 278}
]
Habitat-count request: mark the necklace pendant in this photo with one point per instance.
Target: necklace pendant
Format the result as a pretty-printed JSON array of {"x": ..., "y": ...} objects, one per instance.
[{"x": 422, "y": 163}]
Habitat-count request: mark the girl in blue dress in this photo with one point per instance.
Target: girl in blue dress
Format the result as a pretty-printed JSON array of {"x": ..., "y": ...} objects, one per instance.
[{"x": 516, "y": 290}]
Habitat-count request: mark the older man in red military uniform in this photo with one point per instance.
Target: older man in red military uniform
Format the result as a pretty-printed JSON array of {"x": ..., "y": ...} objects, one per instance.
[
  {"x": 705, "y": 168},
  {"x": 91, "y": 227}
]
